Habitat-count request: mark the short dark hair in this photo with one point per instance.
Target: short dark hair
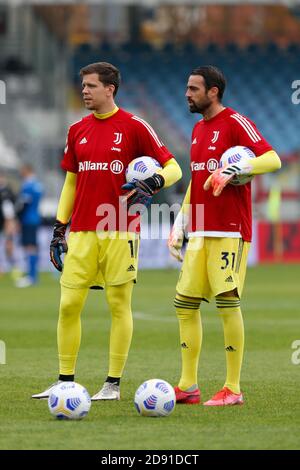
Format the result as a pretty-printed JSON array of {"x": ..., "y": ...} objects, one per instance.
[
  {"x": 108, "y": 74},
  {"x": 212, "y": 77}
]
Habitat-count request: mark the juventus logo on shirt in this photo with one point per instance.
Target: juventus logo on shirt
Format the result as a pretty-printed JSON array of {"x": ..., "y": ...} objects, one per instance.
[
  {"x": 118, "y": 138},
  {"x": 215, "y": 137}
]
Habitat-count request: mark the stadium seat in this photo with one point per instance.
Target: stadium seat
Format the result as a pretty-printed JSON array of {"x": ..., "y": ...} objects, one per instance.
[{"x": 259, "y": 85}]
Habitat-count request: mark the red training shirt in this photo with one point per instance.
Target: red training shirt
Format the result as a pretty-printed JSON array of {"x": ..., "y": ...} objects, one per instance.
[
  {"x": 98, "y": 151},
  {"x": 230, "y": 214}
]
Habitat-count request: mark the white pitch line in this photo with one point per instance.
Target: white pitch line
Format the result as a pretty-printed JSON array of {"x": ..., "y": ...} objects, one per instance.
[{"x": 154, "y": 318}]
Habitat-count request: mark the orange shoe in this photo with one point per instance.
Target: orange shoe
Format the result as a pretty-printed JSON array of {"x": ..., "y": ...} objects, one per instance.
[
  {"x": 187, "y": 398},
  {"x": 225, "y": 397}
]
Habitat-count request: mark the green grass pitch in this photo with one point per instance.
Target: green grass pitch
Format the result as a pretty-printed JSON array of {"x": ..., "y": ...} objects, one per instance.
[{"x": 270, "y": 418}]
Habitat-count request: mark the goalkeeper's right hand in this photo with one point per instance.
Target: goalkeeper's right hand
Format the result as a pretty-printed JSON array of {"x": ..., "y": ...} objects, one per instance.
[
  {"x": 58, "y": 245},
  {"x": 177, "y": 234}
]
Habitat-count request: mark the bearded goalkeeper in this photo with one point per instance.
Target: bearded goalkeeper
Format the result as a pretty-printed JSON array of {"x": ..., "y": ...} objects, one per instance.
[{"x": 217, "y": 218}]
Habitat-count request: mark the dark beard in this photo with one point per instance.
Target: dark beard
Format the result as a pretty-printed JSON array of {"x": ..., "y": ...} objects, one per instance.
[{"x": 199, "y": 108}]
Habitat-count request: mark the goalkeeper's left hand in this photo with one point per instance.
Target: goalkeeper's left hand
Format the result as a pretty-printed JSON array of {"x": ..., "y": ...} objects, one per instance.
[
  {"x": 222, "y": 176},
  {"x": 58, "y": 245},
  {"x": 141, "y": 192},
  {"x": 177, "y": 234}
]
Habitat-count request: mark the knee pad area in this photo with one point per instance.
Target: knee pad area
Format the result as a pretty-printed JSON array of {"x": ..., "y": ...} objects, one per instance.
[{"x": 186, "y": 306}]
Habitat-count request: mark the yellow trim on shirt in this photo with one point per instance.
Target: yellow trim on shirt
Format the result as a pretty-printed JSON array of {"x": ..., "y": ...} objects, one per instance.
[{"x": 106, "y": 115}]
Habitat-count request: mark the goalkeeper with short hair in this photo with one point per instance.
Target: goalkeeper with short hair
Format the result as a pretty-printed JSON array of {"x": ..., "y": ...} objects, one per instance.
[
  {"x": 217, "y": 218},
  {"x": 102, "y": 248}
]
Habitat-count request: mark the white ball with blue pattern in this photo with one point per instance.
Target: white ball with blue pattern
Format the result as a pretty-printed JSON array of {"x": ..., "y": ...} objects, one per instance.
[
  {"x": 69, "y": 400},
  {"x": 141, "y": 168},
  {"x": 155, "y": 398},
  {"x": 238, "y": 156}
]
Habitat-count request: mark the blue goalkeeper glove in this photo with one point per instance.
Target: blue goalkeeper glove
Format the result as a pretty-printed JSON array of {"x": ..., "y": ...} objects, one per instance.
[
  {"x": 141, "y": 192},
  {"x": 58, "y": 245}
]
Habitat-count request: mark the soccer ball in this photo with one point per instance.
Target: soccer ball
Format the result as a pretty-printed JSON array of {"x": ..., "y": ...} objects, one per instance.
[
  {"x": 155, "y": 397},
  {"x": 141, "y": 168},
  {"x": 69, "y": 400},
  {"x": 235, "y": 155}
]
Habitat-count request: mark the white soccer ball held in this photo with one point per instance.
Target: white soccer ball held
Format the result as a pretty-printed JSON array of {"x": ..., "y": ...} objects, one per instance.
[
  {"x": 238, "y": 156},
  {"x": 141, "y": 168}
]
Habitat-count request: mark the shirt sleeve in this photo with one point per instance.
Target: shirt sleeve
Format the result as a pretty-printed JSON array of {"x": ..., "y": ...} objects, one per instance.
[
  {"x": 246, "y": 133},
  {"x": 149, "y": 143},
  {"x": 69, "y": 161}
]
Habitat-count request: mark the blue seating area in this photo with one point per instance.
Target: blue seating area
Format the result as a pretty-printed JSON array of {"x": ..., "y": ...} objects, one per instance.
[{"x": 154, "y": 81}]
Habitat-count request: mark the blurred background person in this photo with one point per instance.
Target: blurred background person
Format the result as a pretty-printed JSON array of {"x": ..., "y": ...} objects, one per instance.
[
  {"x": 8, "y": 226},
  {"x": 28, "y": 203}
]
